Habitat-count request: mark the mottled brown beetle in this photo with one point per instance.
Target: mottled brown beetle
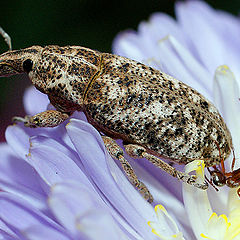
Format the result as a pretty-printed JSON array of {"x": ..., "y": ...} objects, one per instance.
[{"x": 153, "y": 113}]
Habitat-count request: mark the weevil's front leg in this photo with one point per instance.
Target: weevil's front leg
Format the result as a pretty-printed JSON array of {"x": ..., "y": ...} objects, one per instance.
[
  {"x": 117, "y": 153},
  {"x": 49, "y": 118},
  {"x": 137, "y": 151}
]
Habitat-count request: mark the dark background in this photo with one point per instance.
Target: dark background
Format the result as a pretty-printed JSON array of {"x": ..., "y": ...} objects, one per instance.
[{"x": 88, "y": 23}]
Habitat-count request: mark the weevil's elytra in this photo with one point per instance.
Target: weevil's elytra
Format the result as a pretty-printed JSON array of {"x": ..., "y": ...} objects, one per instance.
[
  {"x": 141, "y": 105},
  {"x": 155, "y": 114}
]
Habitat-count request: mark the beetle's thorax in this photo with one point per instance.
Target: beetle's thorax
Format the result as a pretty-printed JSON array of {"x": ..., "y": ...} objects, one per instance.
[{"x": 64, "y": 73}]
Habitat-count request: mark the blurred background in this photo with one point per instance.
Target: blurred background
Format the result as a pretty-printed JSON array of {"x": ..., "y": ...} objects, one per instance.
[{"x": 88, "y": 23}]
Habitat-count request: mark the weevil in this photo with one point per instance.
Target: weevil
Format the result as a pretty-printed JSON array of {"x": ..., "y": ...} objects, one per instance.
[{"x": 156, "y": 115}]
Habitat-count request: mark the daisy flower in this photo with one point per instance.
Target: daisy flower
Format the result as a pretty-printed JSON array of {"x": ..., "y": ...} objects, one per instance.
[{"x": 60, "y": 183}]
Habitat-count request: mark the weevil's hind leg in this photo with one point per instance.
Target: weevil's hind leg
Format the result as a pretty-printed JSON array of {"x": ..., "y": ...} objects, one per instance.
[
  {"x": 49, "y": 118},
  {"x": 136, "y": 151},
  {"x": 117, "y": 153}
]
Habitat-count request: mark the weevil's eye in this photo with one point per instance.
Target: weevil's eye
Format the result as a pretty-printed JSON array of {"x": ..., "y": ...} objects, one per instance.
[{"x": 27, "y": 65}]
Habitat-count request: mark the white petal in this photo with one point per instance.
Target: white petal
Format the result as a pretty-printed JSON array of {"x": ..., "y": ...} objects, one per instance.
[
  {"x": 197, "y": 206},
  {"x": 226, "y": 95},
  {"x": 165, "y": 231}
]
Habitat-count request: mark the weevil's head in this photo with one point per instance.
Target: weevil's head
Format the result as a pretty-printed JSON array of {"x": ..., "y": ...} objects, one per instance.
[
  {"x": 20, "y": 61},
  {"x": 63, "y": 73}
]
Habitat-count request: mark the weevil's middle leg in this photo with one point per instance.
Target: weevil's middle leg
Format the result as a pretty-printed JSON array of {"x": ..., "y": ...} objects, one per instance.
[
  {"x": 117, "y": 153},
  {"x": 137, "y": 151},
  {"x": 49, "y": 118}
]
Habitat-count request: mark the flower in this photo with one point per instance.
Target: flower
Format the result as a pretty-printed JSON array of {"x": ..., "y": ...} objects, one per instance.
[
  {"x": 199, "y": 49},
  {"x": 58, "y": 184}
]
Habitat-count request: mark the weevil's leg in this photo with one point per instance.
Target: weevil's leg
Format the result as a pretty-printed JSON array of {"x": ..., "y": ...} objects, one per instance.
[
  {"x": 49, "y": 118},
  {"x": 234, "y": 159},
  {"x": 137, "y": 151},
  {"x": 221, "y": 159},
  {"x": 117, "y": 153}
]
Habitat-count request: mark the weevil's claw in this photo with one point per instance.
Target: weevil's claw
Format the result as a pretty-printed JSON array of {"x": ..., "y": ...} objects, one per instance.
[
  {"x": 192, "y": 180},
  {"x": 18, "y": 119},
  {"x": 205, "y": 185},
  {"x": 25, "y": 120}
]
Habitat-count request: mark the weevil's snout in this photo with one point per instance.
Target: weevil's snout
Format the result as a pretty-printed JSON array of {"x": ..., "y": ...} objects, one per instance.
[
  {"x": 6, "y": 70},
  {"x": 19, "y": 61},
  {"x": 10, "y": 64}
]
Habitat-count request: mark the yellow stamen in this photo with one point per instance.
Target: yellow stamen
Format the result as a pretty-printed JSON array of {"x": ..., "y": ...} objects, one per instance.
[{"x": 158, "y": 227}]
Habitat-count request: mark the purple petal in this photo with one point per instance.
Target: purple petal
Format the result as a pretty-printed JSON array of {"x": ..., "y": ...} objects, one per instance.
[
  {"x": 21, "y": 216},
  {"x": 228, "y": 27},
  {"x": 40, "y": 232},
  {"x": 178, "y": 62},
  {"x": 18, "y": 140},
  {"x": 141, "y": 45},
  {"x": 34, "y": 101},
  {"x": 161, "y": 25},
  {"x": 18, "y": 136},
  {"x": 6, "y": 232},
  {"x": 80, "y": 210},
  {"x": 53, "y": 164},
  {"x": 36, "y": 199},
  {"x": 209, "y": 43},
  {"x": 39, "y": 140},
  {"x": 163, "y": 187},
  {"x": 16, "y": 171},
  {"x": 126, "y": 44},
  {"x": 114, "y": 185}
]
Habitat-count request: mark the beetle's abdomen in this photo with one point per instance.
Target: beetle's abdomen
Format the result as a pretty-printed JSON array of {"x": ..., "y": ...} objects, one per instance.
[{"x": 141, "y": 105}]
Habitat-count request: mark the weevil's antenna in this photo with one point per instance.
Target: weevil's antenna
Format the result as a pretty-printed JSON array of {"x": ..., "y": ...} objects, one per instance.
[{"x": 6, "y": 38}]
